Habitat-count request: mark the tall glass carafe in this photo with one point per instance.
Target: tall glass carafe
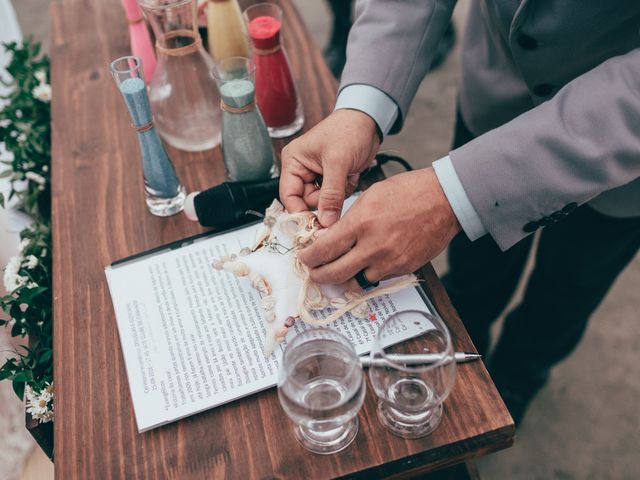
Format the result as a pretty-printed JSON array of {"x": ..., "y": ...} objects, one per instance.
[
  {"x": 226, "y": 30},
  {"x": 183, "y": 96}
]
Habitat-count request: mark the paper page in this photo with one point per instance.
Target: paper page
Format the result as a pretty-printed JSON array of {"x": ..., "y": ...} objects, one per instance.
[{"x": 192, "y": 336}]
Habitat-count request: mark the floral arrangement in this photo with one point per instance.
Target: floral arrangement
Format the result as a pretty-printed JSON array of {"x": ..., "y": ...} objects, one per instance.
[{"x": 25, "y": 129}]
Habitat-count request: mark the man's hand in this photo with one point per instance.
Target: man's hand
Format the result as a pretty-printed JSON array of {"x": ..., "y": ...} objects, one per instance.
[
  {"x": 339, "y": 148},
  {"x": 394, "y": 228}
]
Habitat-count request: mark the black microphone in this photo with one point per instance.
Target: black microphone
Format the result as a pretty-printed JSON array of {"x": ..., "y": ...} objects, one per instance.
[{"x": 227, "y": 204}]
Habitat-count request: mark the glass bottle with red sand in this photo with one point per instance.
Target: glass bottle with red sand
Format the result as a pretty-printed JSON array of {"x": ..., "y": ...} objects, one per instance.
[{"x": 276, "y": 93}]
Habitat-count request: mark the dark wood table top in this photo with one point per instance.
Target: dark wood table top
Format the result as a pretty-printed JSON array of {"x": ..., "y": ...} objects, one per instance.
[{"x": 99, "y": 216}]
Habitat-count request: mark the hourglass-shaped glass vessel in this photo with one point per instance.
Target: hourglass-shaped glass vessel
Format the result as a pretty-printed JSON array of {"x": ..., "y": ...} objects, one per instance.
[
  {"x": 164, "y": 193},
  {"x": 226, "y": 30},
  {"x": 275, "y": 89},
  {"x": 246, "y": 146},
  {"x": 183, "y": 95}
]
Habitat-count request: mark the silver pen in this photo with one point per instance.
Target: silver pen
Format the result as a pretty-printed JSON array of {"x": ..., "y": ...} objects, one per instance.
[{"x": 418, "y": 358}]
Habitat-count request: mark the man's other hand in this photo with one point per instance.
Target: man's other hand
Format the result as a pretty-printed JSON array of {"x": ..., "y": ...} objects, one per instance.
[{"x": 394, "y": 228}]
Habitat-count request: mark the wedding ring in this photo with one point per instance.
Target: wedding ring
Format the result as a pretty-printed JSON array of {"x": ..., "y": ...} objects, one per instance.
[
  {"x": 317, "y": 183},
  {"x": 364, "y": 282}
]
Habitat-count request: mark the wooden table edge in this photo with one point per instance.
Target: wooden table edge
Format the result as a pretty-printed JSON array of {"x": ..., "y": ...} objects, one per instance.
[{"x": 397, "y": 469}]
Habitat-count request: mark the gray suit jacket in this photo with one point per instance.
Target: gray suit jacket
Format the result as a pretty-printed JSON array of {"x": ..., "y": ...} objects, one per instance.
[{"x": 552, "y": 89}]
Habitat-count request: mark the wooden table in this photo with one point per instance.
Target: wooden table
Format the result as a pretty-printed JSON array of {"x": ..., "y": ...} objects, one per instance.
[{"x": 99, "y": 216}]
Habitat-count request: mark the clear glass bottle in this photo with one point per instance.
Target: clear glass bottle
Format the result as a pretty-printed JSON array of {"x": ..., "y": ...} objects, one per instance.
[
  {"x": 246, "y": 146},
  {"x": 226, "y": 31},
  {"x": 275, "y": 89},
  {"x": 183, "y": 95},
  {"x": 164, "y": 194}
]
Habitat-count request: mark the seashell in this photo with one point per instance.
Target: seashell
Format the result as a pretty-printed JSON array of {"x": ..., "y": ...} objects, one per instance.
[
  {"x": 361, "y": 311},
  {"x": 274, "y": 210},
  {"x": 262, "y": 234},
  {"x": 270, "y": 316},
  {"x": 259, "y": 283},
  {"x": 268, "y": 303},
  {"x": 239, "y": 269},
  {"x": 282, "y": 332},
  {"x": 233, "y": 257},
  {"x": 289, "y": 322},
  {"x": 245, "y": 251},
  {"x": 265, "y": 287},
  {"x": 313, "y": 222},
  {"x": 218, "y": 264}
]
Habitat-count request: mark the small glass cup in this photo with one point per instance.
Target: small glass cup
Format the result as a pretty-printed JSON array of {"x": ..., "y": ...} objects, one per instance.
[
  {"x": 411, "y": 395},
  {"x": 321, "y": 388}
]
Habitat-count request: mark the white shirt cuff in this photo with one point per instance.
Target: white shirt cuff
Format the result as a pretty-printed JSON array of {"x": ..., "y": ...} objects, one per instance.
[
  {"x": 372, "y": 101},
  {"x": 458, "y": 199}
]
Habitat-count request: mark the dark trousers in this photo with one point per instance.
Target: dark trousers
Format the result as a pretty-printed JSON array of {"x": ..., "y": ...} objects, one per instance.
[{"x": 576, "y": 262}]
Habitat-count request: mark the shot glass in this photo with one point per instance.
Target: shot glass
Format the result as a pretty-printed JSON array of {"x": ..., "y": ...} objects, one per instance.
[
  {"x": 321, "y": 388},
  {"x": 410, "y": 396}
]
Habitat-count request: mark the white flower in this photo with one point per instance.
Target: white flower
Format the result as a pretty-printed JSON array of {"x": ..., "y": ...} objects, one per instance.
[
  {"x": 40, "y": 404},
  {"x": 32, "y": 262},
  {"x": 31, "y": 285},
  {"x": 40, "y": 323},
  {"x": 28, "y": 165},
  {"x": 45, "y": 168},
  {"x": 43, "y": 253},
  {"x": 19, "y": 113},
  {"x": 41, "y": 76},
  {"x": 34, "y": 177},
  {"x": 11, "y": 278},
  {"x": 22, "y": 138},
  {"x": 13, "y": 134},
  {"x": 5, "y": 123},
  {"x": 42, "y": 92}
]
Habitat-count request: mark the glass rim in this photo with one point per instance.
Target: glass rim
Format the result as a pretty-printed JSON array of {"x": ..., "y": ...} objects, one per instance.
[
  {"x": 438, "y": 322},
  {"x": 172, "y": 4},
  {"x": 250, "y": 64},
  {"x": 352, "y": 365},
  {"x": 125, "y": 59},
  {"x": 256, "y": 6}
]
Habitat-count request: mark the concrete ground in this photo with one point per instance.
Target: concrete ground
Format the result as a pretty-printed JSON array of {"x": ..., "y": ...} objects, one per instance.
[{"x": 586, "y": 423}]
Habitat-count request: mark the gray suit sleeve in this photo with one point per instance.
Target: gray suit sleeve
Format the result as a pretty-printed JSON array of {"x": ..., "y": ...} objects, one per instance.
[
  {"x": 391, "y": 45},
  {"x": 584, "y": 141}
]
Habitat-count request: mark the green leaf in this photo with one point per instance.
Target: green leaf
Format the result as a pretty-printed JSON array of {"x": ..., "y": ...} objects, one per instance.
[
  {"x": 45, "y": 357},
  {"x": 18, "y": 387},
  {"x": 22, "y": 376}
]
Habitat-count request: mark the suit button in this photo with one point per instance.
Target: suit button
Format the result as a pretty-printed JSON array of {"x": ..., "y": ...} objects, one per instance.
[
  {"x": 557, "y": 216},
  {"x": 530, "y": 227},
  {"x": 570, "y": 207},
  {"x": 527, "y": 43},
  {"x": 543, "y": 90}
]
